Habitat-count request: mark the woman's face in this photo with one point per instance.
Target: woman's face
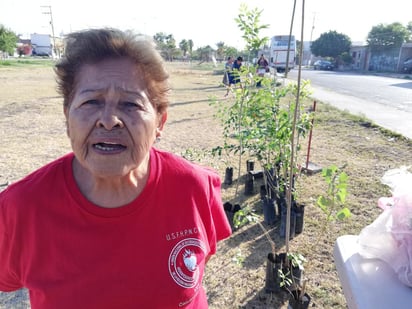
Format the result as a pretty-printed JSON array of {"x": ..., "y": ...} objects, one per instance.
[{"x": 110, "y": 121}]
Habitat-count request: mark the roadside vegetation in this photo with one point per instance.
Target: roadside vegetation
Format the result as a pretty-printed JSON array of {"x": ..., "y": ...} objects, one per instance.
[{"x": 24, "y": 62}]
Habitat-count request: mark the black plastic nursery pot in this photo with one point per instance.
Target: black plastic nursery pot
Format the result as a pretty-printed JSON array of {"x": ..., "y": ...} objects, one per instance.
[
  {"x": 272, "y": 282},
  {"x": 283, "y": 216},
  {"x": 299, "y": 214},
  {"x": 230, "y": 211},
  {"x": 228, "y": 176},
  {"x": 276, "y": 263},
  {"x": 298, "y": 301},
  {"x": 250, "y": 165},
  {"x": 271, "y": 182},
  {"x": 263, "y": 192},
  {"x": 249, "y": 185},
  {"x": 269, "y": 211},
  {"x": 293, "y": 273}
]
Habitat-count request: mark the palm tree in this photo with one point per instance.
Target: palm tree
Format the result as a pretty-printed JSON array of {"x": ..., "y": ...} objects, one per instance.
[
  {"x": 220, "y": 50},
  {"x": 184, "y": 46},
  {"x": 190, "y": 44}
]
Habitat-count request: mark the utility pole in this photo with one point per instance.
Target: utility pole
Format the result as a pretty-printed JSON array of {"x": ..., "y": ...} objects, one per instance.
[
  {"x": 313, "y": 26},
  {"x": 49, "y": 12},
  {"x": 311, "y": 35}
]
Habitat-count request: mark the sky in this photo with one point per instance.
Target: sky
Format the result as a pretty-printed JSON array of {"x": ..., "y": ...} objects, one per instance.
[{"x": 205, "y": 22}]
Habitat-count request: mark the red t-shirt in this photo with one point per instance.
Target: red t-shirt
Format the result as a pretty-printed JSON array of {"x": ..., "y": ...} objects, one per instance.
[{"x": 150, "y": 253}]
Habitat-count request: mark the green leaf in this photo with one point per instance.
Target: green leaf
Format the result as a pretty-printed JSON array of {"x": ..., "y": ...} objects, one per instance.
[
  {"x": 341, "y": 196},
  {"x": 323, "y": 203},
  {"x": 343, "y": 214}
]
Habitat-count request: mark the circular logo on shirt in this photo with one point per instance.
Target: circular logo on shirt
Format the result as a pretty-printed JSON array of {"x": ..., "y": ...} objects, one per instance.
[{"x": 183, "y": 261}]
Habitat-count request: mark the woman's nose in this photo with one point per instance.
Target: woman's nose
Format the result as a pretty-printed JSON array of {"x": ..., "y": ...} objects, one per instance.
[{"x": 109, "y": 119}]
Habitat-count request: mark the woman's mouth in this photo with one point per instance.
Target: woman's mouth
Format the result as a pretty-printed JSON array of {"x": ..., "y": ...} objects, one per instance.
[{"x": 109, "y": 147}]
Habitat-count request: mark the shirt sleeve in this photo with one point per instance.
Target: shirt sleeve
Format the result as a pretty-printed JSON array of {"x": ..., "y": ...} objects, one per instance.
[{"x": 8, "y": 278}]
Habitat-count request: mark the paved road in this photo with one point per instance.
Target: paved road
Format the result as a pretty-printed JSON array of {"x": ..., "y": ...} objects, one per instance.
[{"x": 385, "y": 100}]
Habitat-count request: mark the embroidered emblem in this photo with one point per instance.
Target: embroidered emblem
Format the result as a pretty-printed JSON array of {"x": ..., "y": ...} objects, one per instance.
[
  {"x": 190, "y": 260},
  {"x": 183, "y": 262}
]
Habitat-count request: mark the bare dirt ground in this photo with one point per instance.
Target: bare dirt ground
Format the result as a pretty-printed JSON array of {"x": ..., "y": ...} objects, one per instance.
[{"x": 32, "y": 132}]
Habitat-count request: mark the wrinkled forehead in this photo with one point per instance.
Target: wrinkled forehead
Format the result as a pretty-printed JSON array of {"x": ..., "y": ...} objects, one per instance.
[{"x": 121, "y": 72}]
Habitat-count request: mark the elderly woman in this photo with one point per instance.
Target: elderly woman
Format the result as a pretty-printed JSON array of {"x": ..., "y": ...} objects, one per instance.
[{"x": 117, "y": 223}]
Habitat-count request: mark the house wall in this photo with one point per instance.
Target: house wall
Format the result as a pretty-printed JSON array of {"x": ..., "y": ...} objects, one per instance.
[
  {"x": 360, "y": 57},
  {"x": 405, "y": 53},
  {"x": 384, "y": 61}
]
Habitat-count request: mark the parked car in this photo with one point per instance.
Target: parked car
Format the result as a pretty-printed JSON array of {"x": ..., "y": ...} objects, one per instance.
[
  {"x": 407, "y": 66},
  {"x": 323, "y": 65},
  {"x": 40, "y": 54}
]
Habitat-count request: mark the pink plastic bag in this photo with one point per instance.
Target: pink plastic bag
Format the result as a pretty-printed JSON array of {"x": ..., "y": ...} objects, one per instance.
[{"x": 389, "y": 237}]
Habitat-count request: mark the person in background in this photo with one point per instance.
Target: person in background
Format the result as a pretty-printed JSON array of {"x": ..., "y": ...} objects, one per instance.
[
  {"x": 116, "y": 222},
  {"x": 262, "y": 68},
  {"x": 228, "y": 69},
  {"x": 234, "y": 75}
]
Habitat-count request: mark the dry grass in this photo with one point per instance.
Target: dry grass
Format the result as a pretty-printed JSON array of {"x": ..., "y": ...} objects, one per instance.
[{"x": 32, "y": 132}]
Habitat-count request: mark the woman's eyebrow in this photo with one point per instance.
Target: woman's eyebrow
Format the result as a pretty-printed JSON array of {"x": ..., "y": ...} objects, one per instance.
[{"x": 121, "y": 89}]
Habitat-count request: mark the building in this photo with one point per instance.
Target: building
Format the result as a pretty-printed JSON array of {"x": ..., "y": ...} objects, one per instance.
[
  {"x": 360, "y": 56},
  {"x": 41, "y": 44},
  {"x": 386, "y": 61},
  {"x": 405, "y": 53}
]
